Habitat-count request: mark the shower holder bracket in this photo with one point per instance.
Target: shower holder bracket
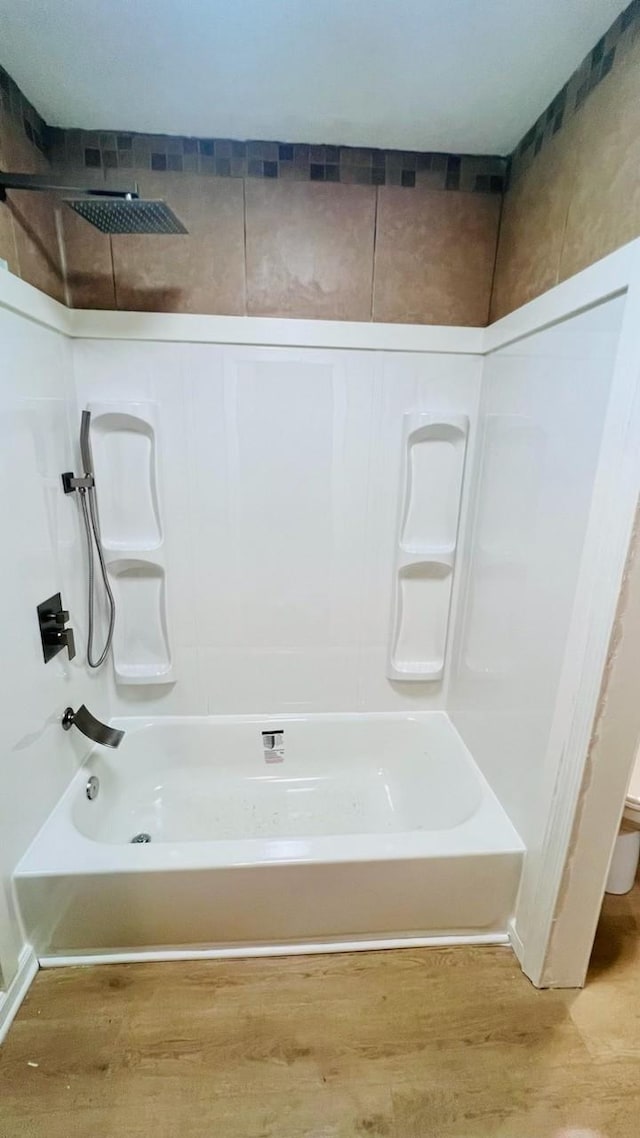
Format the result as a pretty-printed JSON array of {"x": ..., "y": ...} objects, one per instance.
[{"x": 71, "y": 483}]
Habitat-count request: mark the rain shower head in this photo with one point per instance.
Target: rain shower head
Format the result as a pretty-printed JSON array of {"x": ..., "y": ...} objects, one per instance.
[
  {"x": 127, "y": 215},
  {"x": 110, "y": 211}
]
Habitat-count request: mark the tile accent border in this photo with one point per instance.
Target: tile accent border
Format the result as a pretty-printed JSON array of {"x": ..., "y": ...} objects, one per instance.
[
  {"x": 595, "y": 66},
  {"x": 300, "y": 162}
]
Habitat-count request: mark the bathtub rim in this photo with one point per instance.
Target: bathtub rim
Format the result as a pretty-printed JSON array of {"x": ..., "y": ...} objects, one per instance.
[{"x": 65, "y": 850}]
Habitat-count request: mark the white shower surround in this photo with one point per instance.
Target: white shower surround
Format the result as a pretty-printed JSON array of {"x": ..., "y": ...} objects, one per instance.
[
  {"x": 280, "y": 472},
  {"x": 608, "y": 525}
]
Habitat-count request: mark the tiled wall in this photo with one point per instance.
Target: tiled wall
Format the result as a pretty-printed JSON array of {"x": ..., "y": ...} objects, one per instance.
[
  {"x": 227, "y": 158},
  {"x": 275, "y": 229},
  {"x": 574, "y": 192},
  {"x": 28, "y": 230},
  {"x": 378, "y": 235}
]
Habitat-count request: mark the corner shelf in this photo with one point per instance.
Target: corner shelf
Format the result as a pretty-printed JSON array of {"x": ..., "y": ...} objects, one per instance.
[
  {"x": 124, "y": 445},
  {"x": 433, "y": 468}
]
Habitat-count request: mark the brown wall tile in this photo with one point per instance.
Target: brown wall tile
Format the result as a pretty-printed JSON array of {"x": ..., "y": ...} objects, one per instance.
[
  {"x": 434, "y": 257},
  {"x": 88, "y": 261},
  {"x": 8, "y": 250},
  {"x": 579, "y": 199},
  {"x": 202, "y": 272},
  {"x": 7, "y": 241},
  {"x": 533, "y": 222},
  {"x": 37, "y": 241},
  {"x": 309, "y": 249},
  {"x": 605, "y": 206},
  {"x": 36, "y": 247}
]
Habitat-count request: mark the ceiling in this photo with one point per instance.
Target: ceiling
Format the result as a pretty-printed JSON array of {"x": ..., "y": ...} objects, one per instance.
[{"x": 456, "y": 75}]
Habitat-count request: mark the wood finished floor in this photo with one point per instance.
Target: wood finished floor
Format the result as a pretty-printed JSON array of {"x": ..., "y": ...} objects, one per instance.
[{"x": 409, "y": 1044}]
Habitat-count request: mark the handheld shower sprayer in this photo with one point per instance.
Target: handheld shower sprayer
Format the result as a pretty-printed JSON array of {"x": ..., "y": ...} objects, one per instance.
[
  {"x": 85, "y": 487},
  {"x": 85, "y": 443}
]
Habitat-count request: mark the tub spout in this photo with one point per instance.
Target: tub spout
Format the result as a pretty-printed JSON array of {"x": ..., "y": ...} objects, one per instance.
[{"x": 91, "y": 727}]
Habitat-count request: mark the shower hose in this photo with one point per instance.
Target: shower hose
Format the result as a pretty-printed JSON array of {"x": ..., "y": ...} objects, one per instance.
[{"x": 92, "y": 530}]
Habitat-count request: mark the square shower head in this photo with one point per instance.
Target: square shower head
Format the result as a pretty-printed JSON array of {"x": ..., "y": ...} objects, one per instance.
[{"x": 127, "y": 215}]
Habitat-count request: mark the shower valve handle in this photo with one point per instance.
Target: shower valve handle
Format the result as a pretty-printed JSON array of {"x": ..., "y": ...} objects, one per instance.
[
  {"x": 62, "y": 638},
  {"x": 70, "y": 641}
]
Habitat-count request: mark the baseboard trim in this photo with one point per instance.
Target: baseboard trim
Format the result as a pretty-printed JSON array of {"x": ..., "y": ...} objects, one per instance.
[
  {"x": 11, "y": 999},
  {"x": 133, "y": 956},
  {"x": 515, "y": 942}
]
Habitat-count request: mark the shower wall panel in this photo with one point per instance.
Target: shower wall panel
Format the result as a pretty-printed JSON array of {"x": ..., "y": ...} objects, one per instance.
[
  {"x": 280, "y": 471},
  {"x": 542, "y": 414},
  {"x": 42, "y": 553}
]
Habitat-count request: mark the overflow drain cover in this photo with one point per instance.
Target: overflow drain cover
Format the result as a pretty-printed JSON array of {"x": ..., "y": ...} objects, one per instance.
[{"x": 141, "y": 838}]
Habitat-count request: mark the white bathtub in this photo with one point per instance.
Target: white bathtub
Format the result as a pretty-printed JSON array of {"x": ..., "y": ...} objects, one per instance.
[{"x": 373, "y": 829}]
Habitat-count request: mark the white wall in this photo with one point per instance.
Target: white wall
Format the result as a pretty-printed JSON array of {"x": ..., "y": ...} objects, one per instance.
[
  {"x": 41, "y": 555},
  {"x": 542, "y": 415},
  {"x": 279, "y": 471}
]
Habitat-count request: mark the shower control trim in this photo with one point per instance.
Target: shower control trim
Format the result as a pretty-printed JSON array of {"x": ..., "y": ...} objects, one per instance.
[
  {"x": 71, "y": 483},
  {"x": 52, "y": 619}
]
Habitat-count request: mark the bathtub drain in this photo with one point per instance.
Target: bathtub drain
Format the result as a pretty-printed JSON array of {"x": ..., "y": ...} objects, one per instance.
[{"x": 140, "y": 838}]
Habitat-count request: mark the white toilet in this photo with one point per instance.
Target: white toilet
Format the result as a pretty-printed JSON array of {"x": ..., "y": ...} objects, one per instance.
[{"x": 624, "y": 863}]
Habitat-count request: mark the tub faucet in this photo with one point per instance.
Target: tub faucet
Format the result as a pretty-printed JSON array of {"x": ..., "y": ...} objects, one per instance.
[{"x": 91, "y": 727}]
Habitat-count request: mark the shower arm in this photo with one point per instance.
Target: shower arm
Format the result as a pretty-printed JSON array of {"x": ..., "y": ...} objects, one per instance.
[{"x": 43, "y": 182}]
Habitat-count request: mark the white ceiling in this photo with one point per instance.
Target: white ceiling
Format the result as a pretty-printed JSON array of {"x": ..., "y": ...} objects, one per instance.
[{"x": 458, "y": 75}]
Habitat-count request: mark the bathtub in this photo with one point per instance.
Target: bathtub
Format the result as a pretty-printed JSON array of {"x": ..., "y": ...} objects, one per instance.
[{"x": 358, "y": 831}]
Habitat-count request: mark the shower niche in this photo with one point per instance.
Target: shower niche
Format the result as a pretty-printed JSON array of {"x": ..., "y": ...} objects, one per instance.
[
  {"x": 124, "y": 444},
  {"x": 434, "y": 449}
]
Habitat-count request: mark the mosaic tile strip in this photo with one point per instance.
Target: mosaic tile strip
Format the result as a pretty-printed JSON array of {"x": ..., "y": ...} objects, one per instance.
[
  {"x": 230, "y": 158},
  {"x": 23, "y": 112},
  {"x": 594, "y": 68}
]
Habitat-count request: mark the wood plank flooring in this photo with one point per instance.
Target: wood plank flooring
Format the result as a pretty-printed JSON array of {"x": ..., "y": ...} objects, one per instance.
[{"x": 449, "y": 1043}]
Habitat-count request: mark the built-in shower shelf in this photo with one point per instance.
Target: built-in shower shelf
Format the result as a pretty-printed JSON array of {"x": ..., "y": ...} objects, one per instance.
[
  {"x": 426, "y": 556},
  {"x": 144, "y": 674},
  {"x": 124, "y": 444},
  {"x": 431, "y": 489},
  {"x": 123, "y": 440},
  {"x": 141, "y": 651}
]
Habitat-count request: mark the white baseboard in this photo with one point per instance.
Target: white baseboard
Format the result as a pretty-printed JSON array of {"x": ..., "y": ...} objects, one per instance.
[
  {"x": 134, "y": 956},
  {"x": 11, "y": 999},
  {"x": 515, "y": 942}
]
